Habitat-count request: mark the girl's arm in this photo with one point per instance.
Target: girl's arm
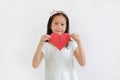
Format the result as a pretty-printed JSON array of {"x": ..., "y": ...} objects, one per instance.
[
  {"x": 79, "y": 52},
  {"x": 38, "y": 54}
]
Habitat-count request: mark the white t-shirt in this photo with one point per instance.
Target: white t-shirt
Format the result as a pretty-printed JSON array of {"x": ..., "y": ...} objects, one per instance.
[{"x": 59, "y": 64}]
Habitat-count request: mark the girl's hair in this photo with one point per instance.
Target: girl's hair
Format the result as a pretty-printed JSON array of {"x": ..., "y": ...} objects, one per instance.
[{"x": 49, "y": 31}]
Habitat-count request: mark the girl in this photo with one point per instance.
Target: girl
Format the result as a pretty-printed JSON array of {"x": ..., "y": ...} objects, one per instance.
[{"x": 59, "y": 64}]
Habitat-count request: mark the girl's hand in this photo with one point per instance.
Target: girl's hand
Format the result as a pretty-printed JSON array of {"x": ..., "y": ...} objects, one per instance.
[
  {"x": 75, "y": 37},
  {"x": 44, "y": 38}
]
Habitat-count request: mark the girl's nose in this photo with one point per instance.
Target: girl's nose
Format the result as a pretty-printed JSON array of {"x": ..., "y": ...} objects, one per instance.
[{"x": 59, "y": 26}]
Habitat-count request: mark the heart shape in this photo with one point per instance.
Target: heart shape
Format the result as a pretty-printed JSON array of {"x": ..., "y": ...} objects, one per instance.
[{"x": 59, "y": 41}]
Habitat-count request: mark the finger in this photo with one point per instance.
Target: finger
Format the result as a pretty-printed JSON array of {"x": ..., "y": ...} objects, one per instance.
[
  {"x": 48, "y": 36},
  {"x": 72, "y": 34},
  {"x": 46, "y": 39}
]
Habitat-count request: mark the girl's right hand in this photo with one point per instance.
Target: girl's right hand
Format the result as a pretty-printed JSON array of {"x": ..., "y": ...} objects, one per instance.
[{"x": 44, "y": 38}]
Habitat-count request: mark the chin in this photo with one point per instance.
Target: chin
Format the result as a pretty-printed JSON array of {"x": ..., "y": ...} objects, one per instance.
[{"x": 59, "y": 33}]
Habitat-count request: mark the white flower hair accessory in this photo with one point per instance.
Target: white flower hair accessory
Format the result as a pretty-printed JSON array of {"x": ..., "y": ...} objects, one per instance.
[{"x": 53, "y": 12}]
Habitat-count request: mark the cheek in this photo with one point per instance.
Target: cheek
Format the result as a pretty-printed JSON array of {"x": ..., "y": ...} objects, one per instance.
[
  {"x": 65, "y": 28},
  {"x": 52, "y": 28}
]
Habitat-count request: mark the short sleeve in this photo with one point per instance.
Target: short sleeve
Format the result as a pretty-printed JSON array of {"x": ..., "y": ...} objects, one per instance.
[
  {"x": 72, "y": 45},
  {"x": 44, "y": 48}
]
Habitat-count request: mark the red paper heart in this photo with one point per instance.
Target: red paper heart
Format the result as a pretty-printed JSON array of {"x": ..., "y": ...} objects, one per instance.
[{"x": 59, "y": 40}]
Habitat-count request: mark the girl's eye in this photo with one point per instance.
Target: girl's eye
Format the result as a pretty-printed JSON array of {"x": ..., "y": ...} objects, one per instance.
[
  {"x": 62, "y": 24},
  {"x": 56, "y": 23}
]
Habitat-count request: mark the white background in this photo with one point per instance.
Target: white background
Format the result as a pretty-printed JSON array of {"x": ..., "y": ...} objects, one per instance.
[{"x": 22, "y": 22}]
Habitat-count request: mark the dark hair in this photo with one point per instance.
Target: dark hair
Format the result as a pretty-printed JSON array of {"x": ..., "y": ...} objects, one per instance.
[{"x": 49, "y": 31}]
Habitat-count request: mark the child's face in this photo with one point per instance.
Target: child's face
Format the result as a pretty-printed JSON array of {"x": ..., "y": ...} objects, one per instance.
[{"x": 58, "y": 24}]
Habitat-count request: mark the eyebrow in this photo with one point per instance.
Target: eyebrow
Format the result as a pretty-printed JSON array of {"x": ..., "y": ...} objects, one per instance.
[{"x": 58, "y": 21}]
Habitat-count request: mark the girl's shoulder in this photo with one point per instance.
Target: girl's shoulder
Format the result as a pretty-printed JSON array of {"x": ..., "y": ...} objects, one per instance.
[
  {"x": 46, "y": 44},
  {"x": 72, "y": 43}
]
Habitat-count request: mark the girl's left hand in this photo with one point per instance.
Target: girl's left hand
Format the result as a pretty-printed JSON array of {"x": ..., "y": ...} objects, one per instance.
[{"x": 75, "y": 37}]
